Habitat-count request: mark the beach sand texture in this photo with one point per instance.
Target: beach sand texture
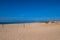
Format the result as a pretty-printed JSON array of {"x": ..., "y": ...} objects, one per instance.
[{"x": 30, "y": 31}]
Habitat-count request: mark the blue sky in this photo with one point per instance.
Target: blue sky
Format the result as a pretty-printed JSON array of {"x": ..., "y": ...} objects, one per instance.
[{"x": 29, "y": 9}]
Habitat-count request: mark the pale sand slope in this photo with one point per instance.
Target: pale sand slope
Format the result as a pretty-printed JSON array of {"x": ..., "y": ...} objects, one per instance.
[{"x": 30, "y": 31}]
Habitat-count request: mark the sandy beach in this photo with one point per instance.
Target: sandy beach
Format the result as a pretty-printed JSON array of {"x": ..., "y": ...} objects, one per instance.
[{"x": 30, "y": 31}]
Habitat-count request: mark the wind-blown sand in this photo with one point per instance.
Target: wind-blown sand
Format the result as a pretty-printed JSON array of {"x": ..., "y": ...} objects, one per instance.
[{"x": 30, "y": 31}]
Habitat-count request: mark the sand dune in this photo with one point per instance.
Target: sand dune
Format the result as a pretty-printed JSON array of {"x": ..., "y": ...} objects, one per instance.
[{"x": 30, "y": 31}]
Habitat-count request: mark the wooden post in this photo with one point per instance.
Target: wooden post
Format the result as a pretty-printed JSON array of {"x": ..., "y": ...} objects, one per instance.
[{"x": 2, "y": 25}]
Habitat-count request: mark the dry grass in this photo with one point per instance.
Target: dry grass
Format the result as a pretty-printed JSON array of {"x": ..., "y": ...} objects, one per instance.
[{"x": 30, "y": 31}]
